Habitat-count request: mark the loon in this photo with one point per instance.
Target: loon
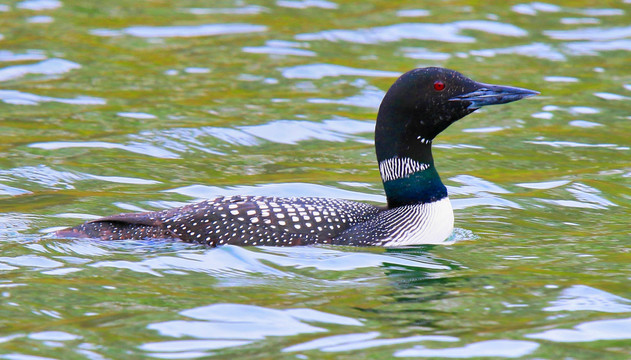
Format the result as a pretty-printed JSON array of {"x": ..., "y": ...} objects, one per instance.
[{"x": 418, "y": 106}]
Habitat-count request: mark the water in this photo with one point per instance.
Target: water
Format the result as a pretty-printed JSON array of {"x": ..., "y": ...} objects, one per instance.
[{"x": 128, "y": 106}]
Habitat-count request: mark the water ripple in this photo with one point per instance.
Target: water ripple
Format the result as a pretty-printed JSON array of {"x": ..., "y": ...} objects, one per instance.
[
  {"x": 474, "y": 185},
  {"x": 43, "y": 175},
  {"x": 601, "y": 12},
  {"x": 38, "y": 5},
  {"x": 489, "y": 348},
  {"x": 232, "y": 263},
  {"x": 255, "y": 322},
  {"x": 51, "y": 178},
  {"x": 560, "y": 79},
  {"x": 136, "y": 115},
  {"x": 53, "y": 336},
  {"x": 582, "y": 48},
  {"x": 611, "y": 96},
  {"x": 31, "y": 261},
  {"x": 592, "y": 33},
  {"x": 17, "y": 356},
  {"x": 352, "y": 342},
  {"x": 537, "y": 50},
  {"x": 319, "y": 71},
  {"x": 579, "y": 21},
  {"x": 277, "y": 131},
  {"x": 584, "y": 124},
  {"x": 12, "y": 191},
  {"x": 333, "y": 260},
  {"x": 534, "y": 7},
  {"x": 278, "y": 47},
  {"x": 418, "y": 31},
  {"x": 244, "y": 10},
  {"x": 46, "y": 67},
  {"x": 294, "y": 131},
  {"x": 424, "y": 54},
  {"x": 183, "y": 349},
  {"x": 487, "y": 129},
  {"x": 6, "y": 55},
  {"x": 138, "y": 148},
  {"x": 574, "y": 110},
  {"x": 369, "y": 97},
  {"x": 544, "y": 185},
  {"x": 276, "y": 189},
  {"x": 332, "y": 341},
  {"x": 586, "y": 197},
  {"x": 304, "y": 4},
  {"x": 21, "y": 98},
  {"x": 589, "y": 194},
  {"x": 617, "y": 329},
  {"x": 78, "y": 247},
  {"x": 573, "y": 144},
  {"x": 216, "y": 324},
  {"x": 586, "y": 298},
  {"x": 483, "y": 191},
  {"x": 182, "y": 31},
  {"x": 413, "y": 13},
  {"x": 41, "y": 19}
]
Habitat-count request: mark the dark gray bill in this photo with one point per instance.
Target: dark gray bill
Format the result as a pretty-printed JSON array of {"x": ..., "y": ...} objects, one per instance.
[{"x": 494, "y": 95}]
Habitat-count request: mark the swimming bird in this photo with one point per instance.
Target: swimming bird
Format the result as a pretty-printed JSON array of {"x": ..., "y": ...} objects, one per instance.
[{"x": 418, "y": 106}]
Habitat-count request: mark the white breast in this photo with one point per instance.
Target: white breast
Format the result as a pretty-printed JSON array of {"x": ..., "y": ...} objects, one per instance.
[{"x": 430, "y": 223}]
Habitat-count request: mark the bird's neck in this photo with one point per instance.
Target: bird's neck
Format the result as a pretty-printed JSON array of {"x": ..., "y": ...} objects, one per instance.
[{"x": 410, "y": 177}]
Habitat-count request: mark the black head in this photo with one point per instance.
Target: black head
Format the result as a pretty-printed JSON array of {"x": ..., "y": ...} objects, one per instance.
[{"x": 423, "y": 102}]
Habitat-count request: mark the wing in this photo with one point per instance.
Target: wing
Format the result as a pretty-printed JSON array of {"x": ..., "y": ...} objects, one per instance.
[
  {"x": 122, "y": 226},
  {"x": 238, "y": 220},
  {"x": 250, "y": 220}
]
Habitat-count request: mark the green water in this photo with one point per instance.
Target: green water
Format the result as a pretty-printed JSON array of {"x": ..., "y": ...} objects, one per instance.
[{"x": 541, "y": 188}]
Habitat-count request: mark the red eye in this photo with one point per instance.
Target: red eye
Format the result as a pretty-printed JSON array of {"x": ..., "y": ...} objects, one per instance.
[{"x": 439, "y": 86}]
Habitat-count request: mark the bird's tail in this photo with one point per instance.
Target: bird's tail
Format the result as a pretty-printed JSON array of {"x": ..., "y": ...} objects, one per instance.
[{"x": 135, "y": 226}]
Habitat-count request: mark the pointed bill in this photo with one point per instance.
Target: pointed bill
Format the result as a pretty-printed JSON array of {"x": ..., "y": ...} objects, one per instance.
[{"x": 493, "y": 95}]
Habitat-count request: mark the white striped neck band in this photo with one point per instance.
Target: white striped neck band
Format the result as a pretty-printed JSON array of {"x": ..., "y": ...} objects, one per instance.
[{"x": 397, "y": 168}]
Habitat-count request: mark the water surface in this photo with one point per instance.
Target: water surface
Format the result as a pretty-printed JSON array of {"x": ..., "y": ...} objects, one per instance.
[{"x": 127, "y": 106}]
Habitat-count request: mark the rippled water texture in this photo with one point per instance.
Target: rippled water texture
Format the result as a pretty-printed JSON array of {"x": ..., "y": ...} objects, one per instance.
[{"x": 118, "y": 106}]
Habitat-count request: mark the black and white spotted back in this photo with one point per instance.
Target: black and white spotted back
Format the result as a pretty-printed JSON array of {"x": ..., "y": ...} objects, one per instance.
[{"x": 238, "y": 220}]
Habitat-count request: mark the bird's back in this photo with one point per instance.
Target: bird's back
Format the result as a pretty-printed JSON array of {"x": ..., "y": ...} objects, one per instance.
[{"x": 237, "y": 220}]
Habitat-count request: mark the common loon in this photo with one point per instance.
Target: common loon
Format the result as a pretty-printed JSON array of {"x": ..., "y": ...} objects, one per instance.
[{"x": 419, "y": 105}]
